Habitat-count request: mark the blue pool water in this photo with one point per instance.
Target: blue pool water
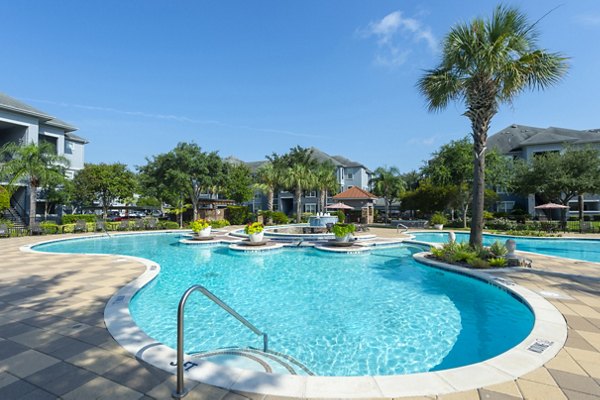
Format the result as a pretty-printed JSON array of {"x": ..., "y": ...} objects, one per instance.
[
  {"x": 379, "y": 313},
  {"x": 586, "y": 250}
]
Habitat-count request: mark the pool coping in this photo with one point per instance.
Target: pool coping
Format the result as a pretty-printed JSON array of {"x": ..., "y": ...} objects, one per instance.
[{"x": 549, "y": 325}]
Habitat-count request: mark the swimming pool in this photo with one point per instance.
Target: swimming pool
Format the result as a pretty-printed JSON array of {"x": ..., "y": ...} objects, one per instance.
[
  {"x": 577, "y": 249},
  {"x": 379, "y": 313}
]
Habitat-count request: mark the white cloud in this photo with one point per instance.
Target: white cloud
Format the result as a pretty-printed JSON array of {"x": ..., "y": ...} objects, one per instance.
[
  {"x": 427, "y": 141},
  {"x": 392, "y": 33}
]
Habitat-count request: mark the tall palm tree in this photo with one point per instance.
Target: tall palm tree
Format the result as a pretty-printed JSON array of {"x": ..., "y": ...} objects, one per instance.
[
  {"x": 486, "y": 63},
  {"x": 299, "y": 177},
  {"x": 325, "y": 182},
  {"x": 269, "y": 178},
  {"x": 388, "y": 184},
  {"x": 35, "y": 163}
]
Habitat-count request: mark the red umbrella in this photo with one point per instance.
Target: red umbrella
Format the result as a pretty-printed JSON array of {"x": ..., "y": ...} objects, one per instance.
[{"x": 339, "y": 206}]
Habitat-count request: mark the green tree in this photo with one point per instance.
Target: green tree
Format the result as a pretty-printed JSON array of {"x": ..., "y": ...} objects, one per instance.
[
  {"x": 4, "y": 199},
  {"x": 35, "y": 163},
  {"x": 105, "y": 183},
  {"x": 452, "y": 166},
  {"x": 325, "y": 182},
  {"x": 388, "y": 184},
  {"x": 268, "y": 180},
  {"x": 54, "y": 192},
  {"x": 238, "y": 185},
  {"x": 156, "y": 180},
  {"x": 486, "y": 63},
  {"x": 560, "y": 177}
]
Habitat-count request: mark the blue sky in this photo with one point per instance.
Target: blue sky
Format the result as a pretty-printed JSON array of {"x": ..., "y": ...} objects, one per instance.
[{"x": 248, "y": 78}]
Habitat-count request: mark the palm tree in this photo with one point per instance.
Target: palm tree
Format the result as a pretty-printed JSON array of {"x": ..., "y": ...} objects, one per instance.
[
  {"x": 299, "y": 177},
  {"x": 388, "y": 184},
  {"x": 325, "y": 182},
  {"x": 269, "y": 178},
  {"x": 34, "y": 162},
  {"x": 486, "y": 63}
]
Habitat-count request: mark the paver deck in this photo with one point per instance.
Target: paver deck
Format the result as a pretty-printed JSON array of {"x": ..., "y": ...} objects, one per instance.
[{"x": 53, "y": 343}]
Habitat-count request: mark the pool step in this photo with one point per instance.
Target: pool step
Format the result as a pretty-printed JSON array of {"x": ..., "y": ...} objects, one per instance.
[{"x": 257, "y": 360}]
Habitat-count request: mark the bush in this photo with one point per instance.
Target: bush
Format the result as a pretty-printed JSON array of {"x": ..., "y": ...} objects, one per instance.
[
  {"x": 219, "y": 223},
  {"x": 72, "y": 218},
  {"x": 279, "y": 218},
  {"x": 341, "y": 230},
  {"x": 7, "y": 222},
  {"x": 238, "y": 215},
  {"x": 167, "y": 225},
  {"x": 255, "y": 227},
  {"x": 498, "y": 262},
  {"x": 438, "y": 219},
  {"x": 199, "y": 224},
  {"x": 502, "y": 224},
  {"x": 49, "y": 227},
  {"x": 479, "y": 263},
  {"x": 487, "y": 215},
  {"x": 341, "y": 216},
  {"x": 498, "y": 249}
]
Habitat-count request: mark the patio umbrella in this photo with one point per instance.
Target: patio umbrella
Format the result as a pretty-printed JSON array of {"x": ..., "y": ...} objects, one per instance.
[
  {"x": 339, "y": 206},
  {"x": 549, "y": 206}
]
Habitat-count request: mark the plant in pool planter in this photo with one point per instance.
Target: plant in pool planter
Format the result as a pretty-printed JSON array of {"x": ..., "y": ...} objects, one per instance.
[
  {"x": 255, "y": 231},
  {"x": 438, "y": 220},
  {"x": 201, "y": 227},
  {"x": 498, "y": 262},
  {"x": 342, "y": 232}
]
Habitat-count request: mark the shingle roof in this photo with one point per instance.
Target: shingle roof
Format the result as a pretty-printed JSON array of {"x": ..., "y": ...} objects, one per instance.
[
  {"x": 354, "y": 193},
  {"x": 515, "y": 137},
  {"x": 74, "y": 138},
  {"x": 13, "y": 104}
]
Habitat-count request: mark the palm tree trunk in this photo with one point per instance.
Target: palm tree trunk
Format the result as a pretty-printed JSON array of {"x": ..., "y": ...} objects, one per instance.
[
  {"x": 32, "y": 203},
  {"x": 270, "y": 196},
  {"x": 476, "y": 238},
  {"x": 322, "y": 199},
  {"x": 298, "y": 195}
]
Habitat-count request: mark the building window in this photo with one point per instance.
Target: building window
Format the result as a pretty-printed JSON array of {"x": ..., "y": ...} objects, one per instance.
[
  {"x": 312, "y": 193},
  {"x": 504, "y": 206},
  {"x": 350, "y": 175},
  {"x": 69, "y": 146},
  {"x": 310, "y": 208}
]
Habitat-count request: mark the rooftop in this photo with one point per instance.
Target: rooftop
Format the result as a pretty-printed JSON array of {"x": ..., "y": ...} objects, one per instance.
[
  {"x": 515, "y": 137},
  {"x": 354, "y": 193}
]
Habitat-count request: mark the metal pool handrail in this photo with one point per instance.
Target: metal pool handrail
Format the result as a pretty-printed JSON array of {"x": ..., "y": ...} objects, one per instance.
[
  {"x": 181, "y": 392},
  {"x": 401, "y": 225}
]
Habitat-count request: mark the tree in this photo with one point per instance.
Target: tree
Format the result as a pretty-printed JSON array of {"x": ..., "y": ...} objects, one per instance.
[
  {"x": 298, "y": 177},
  {"x": 325, "y": 182},
  {"x": 36, "y": 163},
  {"x": 268, "y": 179},
  {"x": 388, "y": 184},
  {"x": 486, "y": 63},
  {"x": 238, "y": 185},
  {"x": 560, "y": 177},
  {"x": 4, "y": 199},
  {"x": 156, "y": 180},
  {"x": 105, "y": 183},
  {"x": 452, "y": 166},
  {"x": 296, "y": 168},
  {"x": 53, "y": 189}
]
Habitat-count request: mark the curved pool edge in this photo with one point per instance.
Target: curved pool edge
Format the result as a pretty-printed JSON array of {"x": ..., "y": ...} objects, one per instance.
[{"x": 549, "y": 325}]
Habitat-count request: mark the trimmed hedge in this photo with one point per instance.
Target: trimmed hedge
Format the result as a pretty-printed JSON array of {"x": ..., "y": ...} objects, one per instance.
[
  {"x": 219, "y": 223},
  {"x": 72, "y": 218},
  {"x": 168, "y": 225}
]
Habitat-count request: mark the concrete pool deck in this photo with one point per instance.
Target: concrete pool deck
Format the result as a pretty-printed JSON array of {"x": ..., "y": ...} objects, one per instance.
[{"x": 53, "y": 343}]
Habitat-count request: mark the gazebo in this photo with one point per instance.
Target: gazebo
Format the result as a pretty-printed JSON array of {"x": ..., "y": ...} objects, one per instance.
[{"x": 359, "y": 199}]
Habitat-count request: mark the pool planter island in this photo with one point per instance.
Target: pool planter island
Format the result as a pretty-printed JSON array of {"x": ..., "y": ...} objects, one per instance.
[{"x": 541, "y": 344}]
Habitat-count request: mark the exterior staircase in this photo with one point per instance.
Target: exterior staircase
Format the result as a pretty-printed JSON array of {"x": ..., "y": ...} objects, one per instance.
[{"x": 12, "y": 215}]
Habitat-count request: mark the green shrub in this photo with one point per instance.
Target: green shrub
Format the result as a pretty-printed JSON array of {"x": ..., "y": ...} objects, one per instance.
[
  {"x": 168, "y": 225},
  {"x": 498, "y": 262},
  {"x": 305, "y": 216},
  {"x": 498, "y": 249},
  {"x": 279, "y": 218},
  {"x": 49, "y": 227},
  {"x": 488, "y": 215},
  {"x": 502, "y": 224},
  {"x": 438, "y": 252},
  {"x": 479, "y": 263},
  {"x": 483, "y": 252},
  {"x": 341, "y": 230},
  {"x": 219, "y": 223},
  {"x": 438, "y": 219},
  {"x": 463, "y": 256},
  {"x": 238, "y": 215},
  {"x": 255, "y": 227},
  {"x": 4, "y": 199},
  {"x": 7, "y": 222},
  {"x": 72, "y": 218},
  {"x": 199, "y": 224},
  {"x": 341, "y": 216}
]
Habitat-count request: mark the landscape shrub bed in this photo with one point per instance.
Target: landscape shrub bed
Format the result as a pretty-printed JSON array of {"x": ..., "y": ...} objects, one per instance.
[
  {"x": 238, "y": 215},
  {"x": 465, "y": 255},
  {"x": 72, "y": 218}
]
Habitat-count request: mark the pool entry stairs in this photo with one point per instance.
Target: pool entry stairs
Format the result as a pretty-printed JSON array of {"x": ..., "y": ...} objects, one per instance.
[{"x": 255, "y": 359}]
